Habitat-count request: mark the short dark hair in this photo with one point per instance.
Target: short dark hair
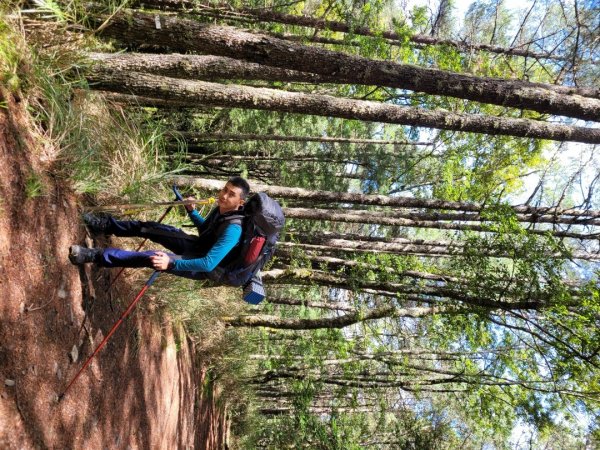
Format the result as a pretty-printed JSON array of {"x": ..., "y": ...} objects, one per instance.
[{"x": 241, "y": 183}]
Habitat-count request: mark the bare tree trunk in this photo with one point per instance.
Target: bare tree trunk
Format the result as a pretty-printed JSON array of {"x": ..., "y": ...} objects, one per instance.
[
  {"x": 214, "y": 94},
  {"x": 420, "y": 294},
  {"x": 330, "y": 322},
  {"x": 188, "y": 35},
  {"x": 150, "y": 102},
  {"x": 225, "y": 137},
  {"x": 336, "y": 264},
  {"x": 333, "y": 306},
  {"x": 380, "y": 200},
  {"x": 373, "y": 217},
  {"x": 201, "y": 67},
  {"x": 452, "y": 249}
]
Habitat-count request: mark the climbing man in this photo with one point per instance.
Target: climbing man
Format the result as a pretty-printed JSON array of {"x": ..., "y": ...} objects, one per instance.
[{"x": 192, "y": 256}]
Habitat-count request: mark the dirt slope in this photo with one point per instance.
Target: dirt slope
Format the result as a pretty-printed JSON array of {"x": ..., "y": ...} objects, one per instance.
[{"x": 140, "y": 391}]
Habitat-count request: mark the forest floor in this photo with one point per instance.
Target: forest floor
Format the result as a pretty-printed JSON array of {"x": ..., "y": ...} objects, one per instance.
[{"x": 145, "y": 389}]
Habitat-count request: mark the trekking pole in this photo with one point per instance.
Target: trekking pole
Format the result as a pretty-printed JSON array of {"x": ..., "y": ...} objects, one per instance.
[
  {"x": 112, "y": 330},
  {"x": 179, "y": 198}
]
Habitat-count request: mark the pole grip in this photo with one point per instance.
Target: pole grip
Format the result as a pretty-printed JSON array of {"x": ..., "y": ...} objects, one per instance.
[{"x": 178, "y": 195}]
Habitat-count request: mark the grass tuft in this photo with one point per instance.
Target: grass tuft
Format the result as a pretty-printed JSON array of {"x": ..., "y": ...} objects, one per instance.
[{"x": 34, "y": 186}]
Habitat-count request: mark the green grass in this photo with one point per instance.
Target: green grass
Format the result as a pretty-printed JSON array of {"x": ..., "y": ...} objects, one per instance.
[
  {"x": 34, "y": 186},
  {"x": 103, "y": 150}
]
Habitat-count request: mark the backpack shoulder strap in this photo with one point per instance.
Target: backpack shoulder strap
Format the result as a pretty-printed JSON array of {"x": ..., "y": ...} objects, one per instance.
[{"x": 232, "y": 219}]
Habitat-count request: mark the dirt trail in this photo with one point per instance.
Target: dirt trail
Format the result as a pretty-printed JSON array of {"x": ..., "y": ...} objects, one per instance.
[{"x": 140, "y": 390}]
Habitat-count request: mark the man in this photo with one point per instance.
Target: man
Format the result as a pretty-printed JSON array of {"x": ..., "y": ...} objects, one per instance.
[{"x": 193, "y": 256}]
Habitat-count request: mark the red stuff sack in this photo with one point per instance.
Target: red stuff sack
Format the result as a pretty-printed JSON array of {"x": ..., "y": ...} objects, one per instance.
[{"x": 253, "y": 252}]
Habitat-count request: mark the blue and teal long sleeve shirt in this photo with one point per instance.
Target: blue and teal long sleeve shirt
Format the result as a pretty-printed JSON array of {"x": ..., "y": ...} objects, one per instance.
[{"x": 224, "y": 244}]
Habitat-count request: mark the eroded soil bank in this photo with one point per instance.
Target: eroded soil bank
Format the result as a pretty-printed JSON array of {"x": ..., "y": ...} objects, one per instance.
[{"x": 141, "y": 390}]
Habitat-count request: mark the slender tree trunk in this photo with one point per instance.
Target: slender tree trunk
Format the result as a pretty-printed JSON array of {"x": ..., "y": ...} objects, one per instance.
[
  {"x": 405, "y": 291},
  {"x": 349, "y": 216},
  {"x": 213, "y": 94},
  {"x": 188, "y": 35},
  {"x": 280, "y": 411},
  {"x": 268, "y": 15},
  {"x": 330, "y": 322},
  {"x": 454, "y": 249},
  {"x": 333, "y": 306},
  {"x": 226, "y": 137},
  {"x": 337, "y": 263},
  {"x": 329, "y": 251},
  {"x": 255, "y": 159},
  {"x": 433, "y": 216},
  {"x": 381, "y": 200}
]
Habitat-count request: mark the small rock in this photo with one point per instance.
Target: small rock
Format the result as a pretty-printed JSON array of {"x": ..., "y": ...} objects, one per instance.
[
  {"x": 59, "y": 374},
  {"x": 9, "y": 382},
  {"x": 21, "y": 307},
  {"x": 62, "y": 294},
  {"x": 74, "y": 353}
]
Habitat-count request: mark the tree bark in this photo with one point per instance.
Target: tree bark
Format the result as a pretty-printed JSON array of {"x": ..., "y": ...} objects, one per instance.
[
  {"x": 338, "y": 263},
  {"x": 333, "y": 306},
  {"x": 421, "y": 294},
  {"x": 330, "y": 322},
  {"x": 452, "y": 249},
  {"x": 188, "y": 35},
  {"x": 373, "y": 217},
  {"x": 213, "y": 94},
  {"x": 379, "y": 200},
  {"x": 149, "y": 102},
  {"x": 201, "y": 67},
  {"x": 268, "y": 15},
  {"x": 226, "y": 137}
]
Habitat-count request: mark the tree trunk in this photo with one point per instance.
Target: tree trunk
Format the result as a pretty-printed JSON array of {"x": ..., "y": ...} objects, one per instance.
[
  {"x": 201, "y": 67},
  {"x": 268, "y": 15},
  {"x": 335, "y": 264},
  {"x": 433, "y": 216},
  {"x": 379, "y": 200},
  {"x": 373, "y": 217},
  {"x": 421, "y": 294},
  {"x": 188, "y": 35},
  {"x": 235, "y": 96},
  {"x": 150, "y": 102},
  {"x": 329, "y": 322},
  {"x": 454, "y": 249},
  {"x": 333, "y": 306},
  {"x": 225, "y": 137}
]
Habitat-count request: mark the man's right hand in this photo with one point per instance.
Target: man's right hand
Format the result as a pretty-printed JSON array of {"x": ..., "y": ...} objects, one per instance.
[{"x": 191, "y": 207}]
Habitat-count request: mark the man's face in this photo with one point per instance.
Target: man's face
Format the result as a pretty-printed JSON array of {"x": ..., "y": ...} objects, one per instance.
[{"x": 230, "y": 198}]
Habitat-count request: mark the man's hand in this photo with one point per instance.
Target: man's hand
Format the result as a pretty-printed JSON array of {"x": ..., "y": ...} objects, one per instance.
[
  {"x": 192, "y": 206},
  {"x": 160, "y": 261}
]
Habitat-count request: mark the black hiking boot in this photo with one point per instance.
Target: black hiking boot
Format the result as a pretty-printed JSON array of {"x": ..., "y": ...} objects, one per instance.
[
  {"x": 80, "y": 255},
  {"x": 96, "y": 224}
]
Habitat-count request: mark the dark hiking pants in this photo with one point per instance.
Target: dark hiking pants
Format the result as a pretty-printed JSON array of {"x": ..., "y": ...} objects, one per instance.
[{"x": 180, "y": 245}]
